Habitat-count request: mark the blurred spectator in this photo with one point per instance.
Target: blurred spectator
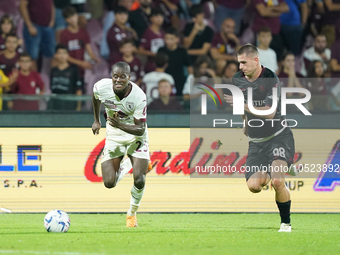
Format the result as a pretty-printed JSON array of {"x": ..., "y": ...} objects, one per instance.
[
  {"x": 6, "y": 83},
  {"x": 108, "y": 22},
  {"x": 60, "y": 23},
  {"x": 165, "y": 102},
  {"x": 225, "y": 43},
  {"x": 95, "y": 8},
  {"x": 332, "y": 13},
  {"x": 127, "y": 48},
  {"x": 219, "y": 66},
  {"x": 202, "y": 73},
  {"x": 316, "y": 82},
  {"x": 39, "y": 17},
  {"x": 169, "y": 9},
  {"x": 267, "y": 13},
  {"x": 317, "y": 86},
  {"x": 231, "y": 68},
  {"x": 77, "y": 41},
  {"x": 317, "y": 52},
  {"x": 289, "y": 77},
  {"x": 315, "y": 18},
  {"x": 233, "y": 9},
  {"x": 9, "y": 57},
  {"x": 152, "y": 40},
  {"x": 292, "y": 25},
  {"x": 6, "y": 28},
  {"x": 267, "y": 55},
  {"x": 150, "y": 80},
  {"x": 64, "y": 80},
  {"x": 118, "y": 32},
  {"x": 197, "y": 36},
  {"x": 335, "y": 55},
  {"x": 139, "y": 19},
  {"x": 178, "y": 59},
  {"x": 28, "y": 83}
]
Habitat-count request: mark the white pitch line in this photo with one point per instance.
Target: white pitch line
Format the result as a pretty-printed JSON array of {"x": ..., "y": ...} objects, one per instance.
[
  {"x": 47, "y": 252},
  {"x": 5, "y": 210}
]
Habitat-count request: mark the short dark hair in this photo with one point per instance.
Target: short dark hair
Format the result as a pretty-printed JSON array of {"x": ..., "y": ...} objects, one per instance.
[
  {"x": 161, "y": 59},
  {"x": 172, "y": 31},
  {"x": 24, "y": 54},
  {"x": 61, "y": 46},
  {"x": 122, "y": 65},
  {"x": 69, "y": 11},
  {"x": 121, "y": 9},
  {"x": 155, "y": 12},
  {"x": 265, "y": 29},
  {"x": 126, "y": 41},
  {"x": 195, "y": 10},
  {"x": 248, "y": 49},
  {"x": 11, "y": 35}
]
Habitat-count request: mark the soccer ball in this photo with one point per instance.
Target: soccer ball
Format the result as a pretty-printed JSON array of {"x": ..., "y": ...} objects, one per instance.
[{"x": 57, "y": 221}]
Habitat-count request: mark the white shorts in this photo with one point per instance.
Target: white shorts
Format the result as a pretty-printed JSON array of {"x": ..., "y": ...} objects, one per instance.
[{"x": 137, "y": 148}]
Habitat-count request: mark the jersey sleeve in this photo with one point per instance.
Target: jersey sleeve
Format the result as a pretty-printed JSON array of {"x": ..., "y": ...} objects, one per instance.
[
  {"x": 140, "y": 111},
  {"x": 272, "y": 83},
  {"x": 96, "y": 90}
]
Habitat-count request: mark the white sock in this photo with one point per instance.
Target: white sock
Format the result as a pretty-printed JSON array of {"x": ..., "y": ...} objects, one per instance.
[
  {"x": 136, "y": 197},
  {"x": 125, "y": 167}
]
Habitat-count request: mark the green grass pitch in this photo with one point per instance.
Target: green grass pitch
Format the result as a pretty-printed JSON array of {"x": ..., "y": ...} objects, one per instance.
[{"x": 163, "y": 234}]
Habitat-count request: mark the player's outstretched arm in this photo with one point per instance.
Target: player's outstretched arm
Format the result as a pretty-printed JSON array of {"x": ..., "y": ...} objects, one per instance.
[
  {"x": 96, "y": 110},
  {"x": 137, "y": 129}
]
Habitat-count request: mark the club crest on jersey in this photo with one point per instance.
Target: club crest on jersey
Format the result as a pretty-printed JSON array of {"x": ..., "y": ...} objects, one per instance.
[
  {"x": 110, "y": 104},
  {"x": 130, "y": 105}
]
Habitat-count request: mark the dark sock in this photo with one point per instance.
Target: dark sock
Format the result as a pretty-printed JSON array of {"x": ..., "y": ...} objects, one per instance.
[{"x": 284, "y": 209}]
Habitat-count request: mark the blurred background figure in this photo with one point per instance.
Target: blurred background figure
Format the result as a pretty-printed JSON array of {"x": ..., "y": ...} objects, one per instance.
[
  {"x": 151, "y": 80},
  {"x": 165, "y": 102},
  {"x": 39, "y": 17},
  {"x": 64, "y": 80},
  {"x": 27, "y": 83}
]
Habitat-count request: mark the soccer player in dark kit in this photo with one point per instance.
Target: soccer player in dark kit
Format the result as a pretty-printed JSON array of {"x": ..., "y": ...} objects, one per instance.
[{"x": 271, "y": 145}]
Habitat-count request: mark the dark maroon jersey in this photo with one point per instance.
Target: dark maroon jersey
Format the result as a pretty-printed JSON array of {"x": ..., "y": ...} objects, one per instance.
[
  {"x": 40, "y": 11},
  {"x": 7, "y": 65},
  {"x": 114, "y": 36},
  {"x": 273, "y": 23},
  {"x": 227, "y": 47}
]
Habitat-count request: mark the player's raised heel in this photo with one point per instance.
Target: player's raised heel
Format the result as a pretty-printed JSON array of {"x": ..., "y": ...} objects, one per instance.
[
  {"x": 131, "y": 221},
  {"x": 150, "y": 166},
  {"x": 285, "y": 228}
]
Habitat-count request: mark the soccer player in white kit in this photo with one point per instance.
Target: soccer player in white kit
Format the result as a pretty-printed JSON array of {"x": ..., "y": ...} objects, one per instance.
[{"x": 126, "y": 132}]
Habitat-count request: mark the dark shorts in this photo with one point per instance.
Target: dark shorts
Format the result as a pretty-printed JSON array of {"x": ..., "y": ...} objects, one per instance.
[{"x": 261, "y": 155}]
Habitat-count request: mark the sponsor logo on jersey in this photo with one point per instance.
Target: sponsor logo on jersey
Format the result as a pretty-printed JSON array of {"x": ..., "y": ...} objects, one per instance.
[
  {"x": 110, "y": 104},
  {"x": 130, "y": 105}
]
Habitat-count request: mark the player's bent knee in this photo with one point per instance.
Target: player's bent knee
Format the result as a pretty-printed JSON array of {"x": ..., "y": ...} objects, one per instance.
[
  {"x": 255, "y": 189},
  {"x": 139, "y": 182},
  {"x": 278, "y": 183},
  {"x": 109, "y": 184}
]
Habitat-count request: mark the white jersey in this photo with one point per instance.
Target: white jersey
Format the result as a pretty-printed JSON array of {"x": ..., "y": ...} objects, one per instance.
[
  {"x": 131, "y": 107},
  {"x": 151, "y": 82},
  {"x": 268, "y": 59}
]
